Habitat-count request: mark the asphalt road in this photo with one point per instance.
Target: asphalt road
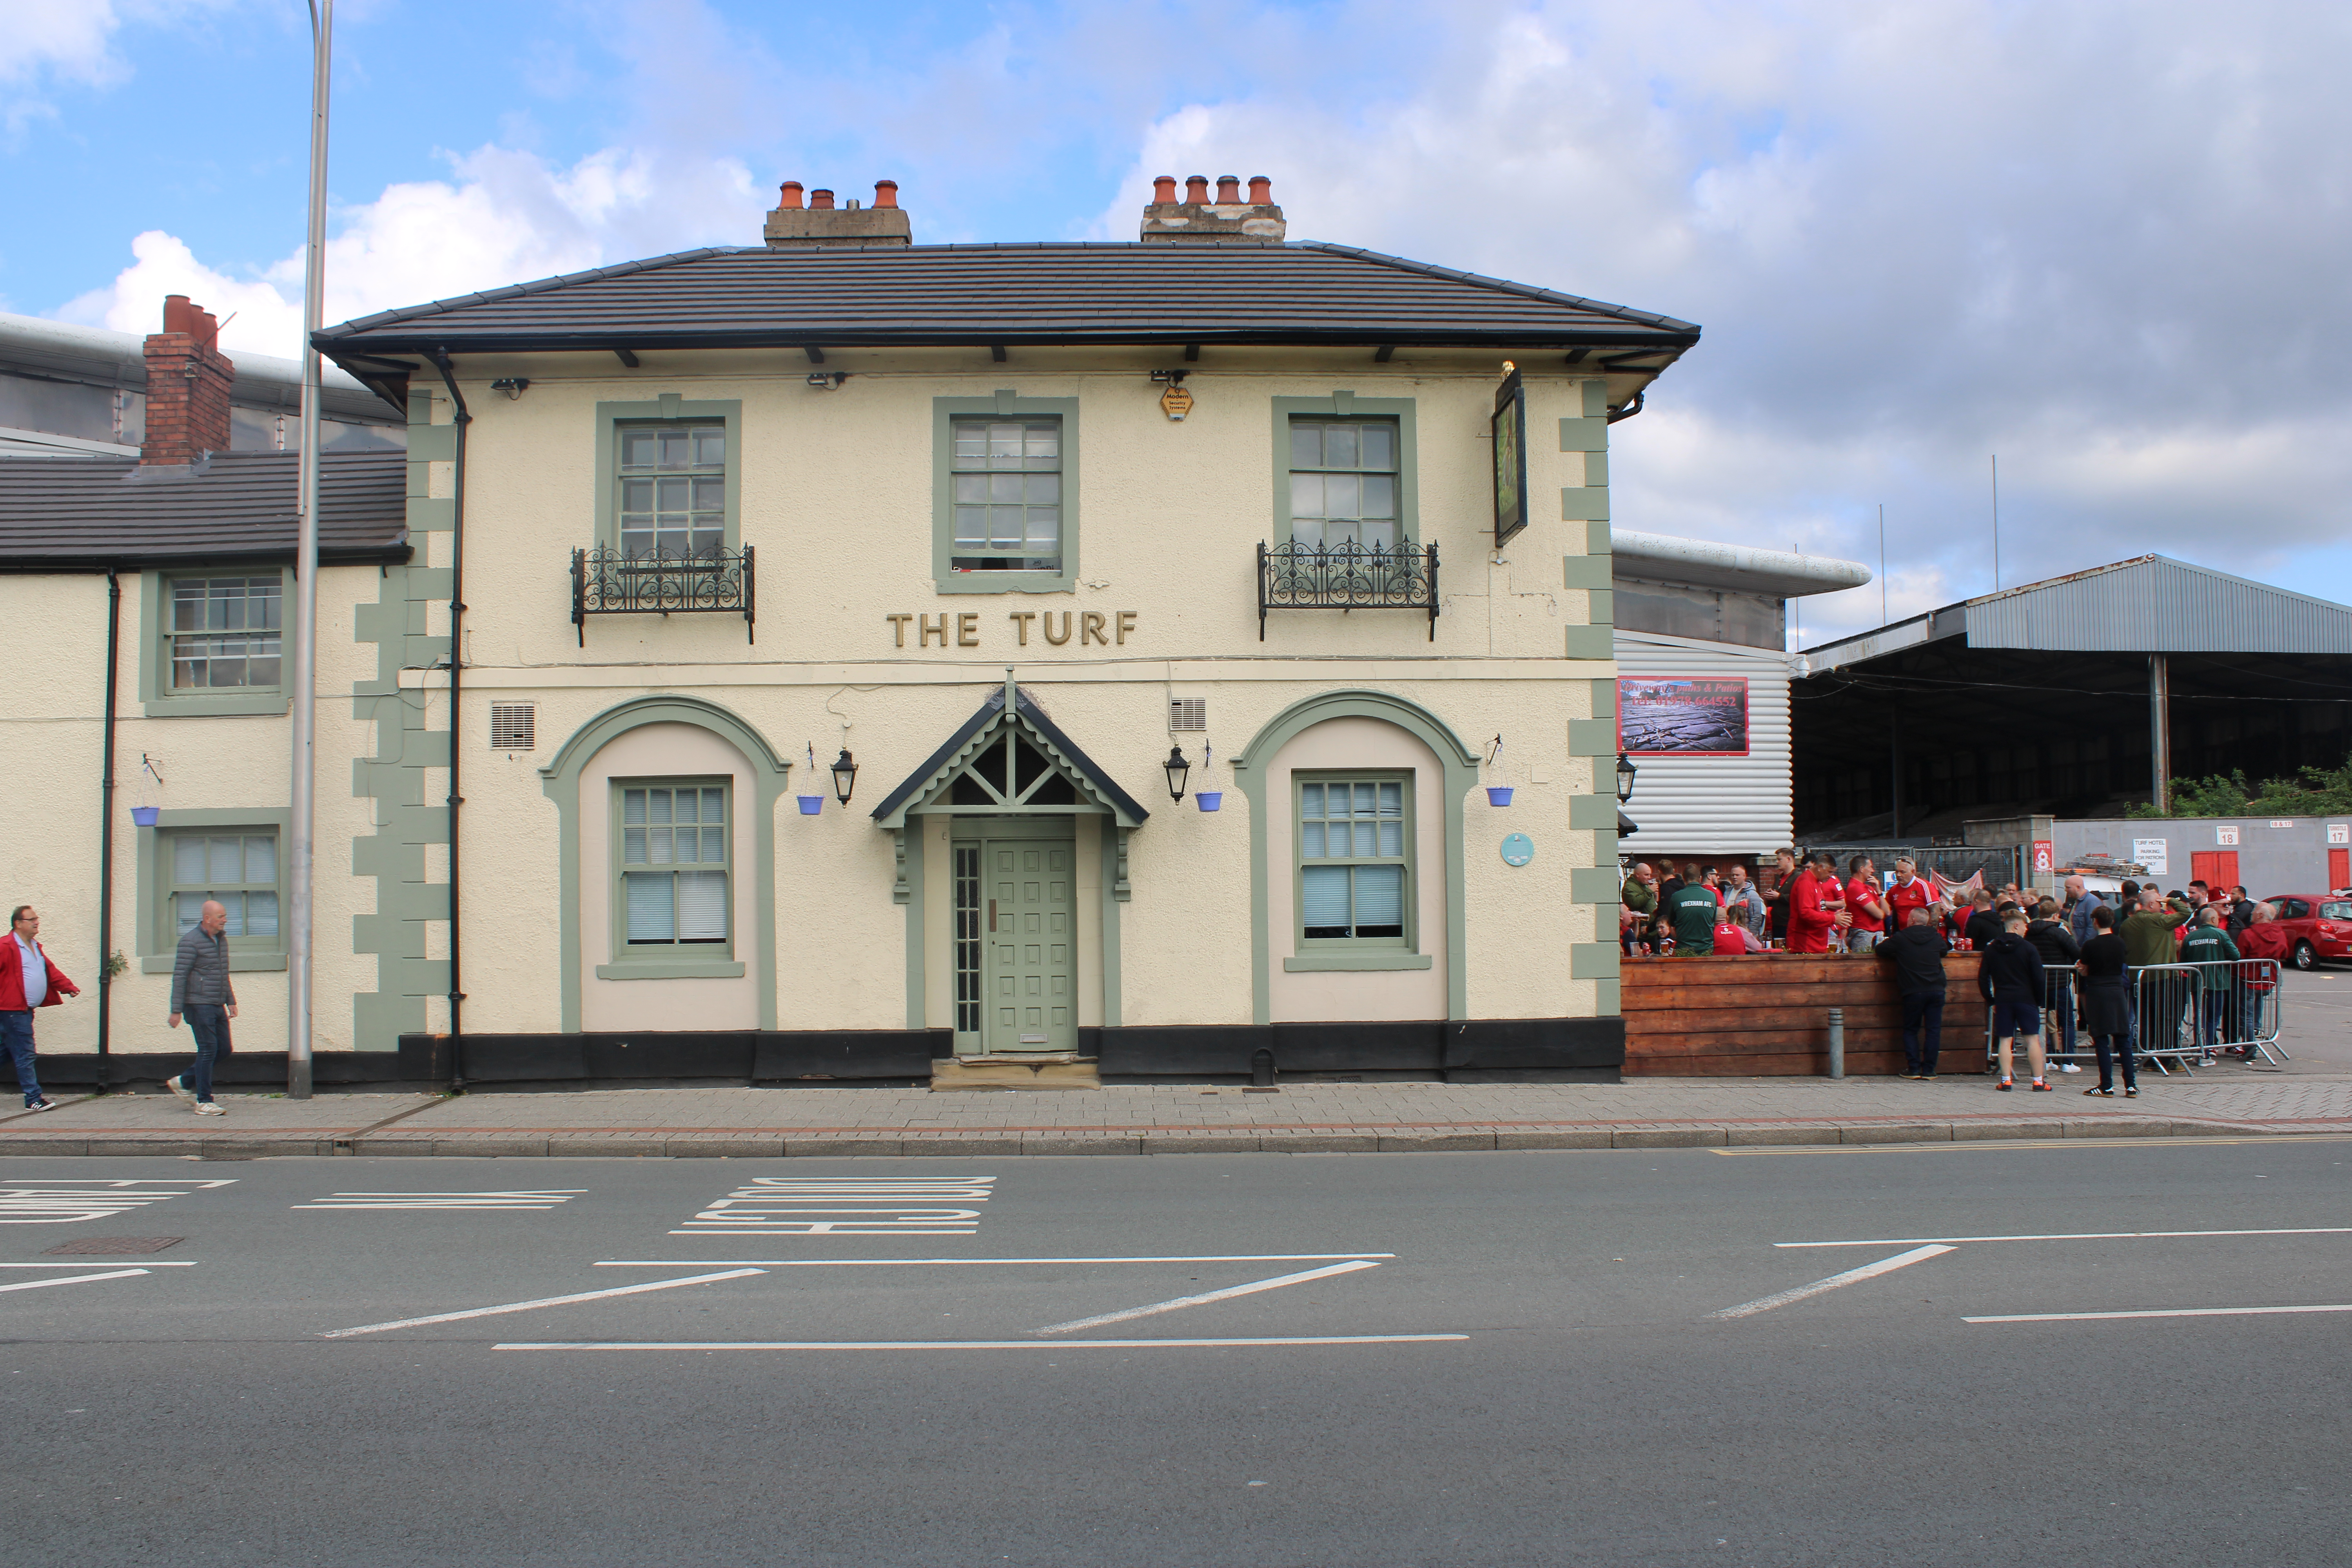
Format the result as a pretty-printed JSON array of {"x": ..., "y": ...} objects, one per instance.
[{"x": 1582, "y": 1401}]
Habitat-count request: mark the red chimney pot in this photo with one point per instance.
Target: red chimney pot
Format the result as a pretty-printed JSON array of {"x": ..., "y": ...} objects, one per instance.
[
  {"x": 1163, "y": 189},
  {"x": 820, "y": 200},
  {"x": 1196, "y": 189},
  {"x": 1229, "y": 190},
  {"x": 886, "y": 192},
  {"x": 1261, "y": 191},
  {"x": 790, "y": 194}
]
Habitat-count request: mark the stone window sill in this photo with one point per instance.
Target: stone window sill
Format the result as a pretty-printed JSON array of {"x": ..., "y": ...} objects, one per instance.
[
  {"x": 1312, "y": 962},
  {"x": 670, "y": 968}
]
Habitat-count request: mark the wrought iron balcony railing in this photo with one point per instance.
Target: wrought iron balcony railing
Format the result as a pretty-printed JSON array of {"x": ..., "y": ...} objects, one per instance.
[
  {"x": 1294, "y": 576},
  {"x": 606, "y": 582}
]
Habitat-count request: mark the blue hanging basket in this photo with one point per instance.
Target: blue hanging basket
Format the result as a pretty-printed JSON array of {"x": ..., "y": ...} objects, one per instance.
[
  {"x": 1210, "y": 799},
  {"x": 1498, "y": 795},
  {"x": 145, "y": 816},
  {"x": 811, "y": 805}
]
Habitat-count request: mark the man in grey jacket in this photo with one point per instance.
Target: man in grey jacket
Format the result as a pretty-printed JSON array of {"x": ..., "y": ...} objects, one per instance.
[
  {"x": 2078, "y": 919},
  {"x": 202, "y": 993}
]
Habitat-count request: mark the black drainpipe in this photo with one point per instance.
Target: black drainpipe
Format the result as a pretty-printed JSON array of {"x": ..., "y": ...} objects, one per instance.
[
  {"x": 106, "y": 824},
  {"x": 457, "y": 745}
]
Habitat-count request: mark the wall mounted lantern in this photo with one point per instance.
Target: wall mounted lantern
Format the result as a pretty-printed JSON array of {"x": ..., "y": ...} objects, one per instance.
[
  {"x": 844, "y": 776},
  {"x": 1625, "y": 772},
  {"x": 1178, "y": 766}
]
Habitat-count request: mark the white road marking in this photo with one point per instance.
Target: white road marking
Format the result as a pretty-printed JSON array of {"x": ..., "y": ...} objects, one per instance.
[
  {"x": 2082, "y": 1235},
  {"x": 67, "y": 1202},
  {"x": 543, "y": 1301},
  {"x": 85, "y": 1263},
  {"x": 1205, "y": 1297},
  {"x": 965, "y": 1345},
  {"x": 438, "y": 1202},
  {"x": 1996, "y": 1145},
  {"x": 2175, "y": 1313},
  {"x": 74, "y": 1279},
  {"x": 849, "y": 1206},
  {"x": 965, "y": 1262},
  {"x": 1851, "y": 1277}
]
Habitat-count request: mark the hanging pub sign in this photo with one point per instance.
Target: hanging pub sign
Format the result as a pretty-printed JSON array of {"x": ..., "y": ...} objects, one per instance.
[
  {"x": 1700, "y": 716},
  {"x": 1510, "y": 456}
]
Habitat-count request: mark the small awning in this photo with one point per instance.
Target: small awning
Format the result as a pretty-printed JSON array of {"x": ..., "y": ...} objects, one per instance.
[{"x": 1092, "y": 784}]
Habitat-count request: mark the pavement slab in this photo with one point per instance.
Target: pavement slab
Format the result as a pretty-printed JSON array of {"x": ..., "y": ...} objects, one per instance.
[{"x": 737, "y": 1121}]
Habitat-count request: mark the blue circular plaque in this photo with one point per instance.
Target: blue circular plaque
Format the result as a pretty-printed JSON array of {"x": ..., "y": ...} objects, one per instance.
[{"x": 1518, "y": 849}]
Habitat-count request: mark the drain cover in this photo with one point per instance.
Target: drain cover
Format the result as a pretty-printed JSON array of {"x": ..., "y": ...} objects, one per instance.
[{"x": 113, "y": 1246}]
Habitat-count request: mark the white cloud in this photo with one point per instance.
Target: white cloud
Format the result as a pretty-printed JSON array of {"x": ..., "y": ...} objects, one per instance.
[
  {"x": 506, "y": 218},
  {"x": 2102, "y": 243}
]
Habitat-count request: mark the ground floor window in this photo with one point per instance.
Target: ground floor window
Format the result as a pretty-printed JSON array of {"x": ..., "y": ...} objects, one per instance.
[
  {"x": 1355, "y": 866},
  {"x": 235, "y": 869},
  {"x": 674, "y": 865}
]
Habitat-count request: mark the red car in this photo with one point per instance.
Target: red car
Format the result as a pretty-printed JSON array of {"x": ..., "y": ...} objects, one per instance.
[{"x": 2316, "y": 926}]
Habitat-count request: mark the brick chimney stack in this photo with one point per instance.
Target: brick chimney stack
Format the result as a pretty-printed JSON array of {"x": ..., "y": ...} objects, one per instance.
[
  {"x": 1229, "y": 217},
  {"x": 188, "y": 385},
  {"x": 821, "y": 225}
]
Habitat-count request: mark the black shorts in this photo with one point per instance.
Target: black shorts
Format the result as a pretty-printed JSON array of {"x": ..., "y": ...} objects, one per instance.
[{"x": 2014, "y": 1015}]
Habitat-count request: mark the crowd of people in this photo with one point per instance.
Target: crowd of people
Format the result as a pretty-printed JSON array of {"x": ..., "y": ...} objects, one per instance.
[{"x": 2053, "y": 968}]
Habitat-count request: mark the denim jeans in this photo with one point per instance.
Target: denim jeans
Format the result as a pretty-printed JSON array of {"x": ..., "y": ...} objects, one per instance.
[
  {"x": 2110, "y": 1047},
  {"x": 16, "y": 1044},
  {"x": 208, "y": 1021},
  {"x": 1922, "y": 1029},
  {"x": 2216, "y": 1016}
]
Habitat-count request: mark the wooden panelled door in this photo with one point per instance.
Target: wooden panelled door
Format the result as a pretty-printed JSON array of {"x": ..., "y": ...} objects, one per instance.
[
  {"x": 2217, "y": 868},
  {"x": 1031, "y": 984}
]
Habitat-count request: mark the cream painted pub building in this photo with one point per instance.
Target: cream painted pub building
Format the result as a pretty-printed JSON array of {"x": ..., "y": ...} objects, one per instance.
[{"x": 815, "y": 661}]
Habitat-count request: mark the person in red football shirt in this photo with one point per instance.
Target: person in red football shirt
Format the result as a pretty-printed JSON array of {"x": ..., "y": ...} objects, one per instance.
[
  {"x": 1865, "y": 900},
  {"x": 1816, "y": 905},
  {"x": 1909, "y": 892}
]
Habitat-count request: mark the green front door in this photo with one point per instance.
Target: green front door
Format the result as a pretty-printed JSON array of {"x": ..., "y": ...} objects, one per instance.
[{"x": 1032, "y": 980}]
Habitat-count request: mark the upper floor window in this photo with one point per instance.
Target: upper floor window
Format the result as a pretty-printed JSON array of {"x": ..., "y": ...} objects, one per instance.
[
  {"x": 1343, "y": 482},
  {"x": 1008, "y": 495},
  {"x": 223, "y": 632},
  {"x": 673, "y": 489}
]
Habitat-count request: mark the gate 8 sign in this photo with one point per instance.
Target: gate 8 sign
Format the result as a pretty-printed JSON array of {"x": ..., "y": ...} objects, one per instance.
[{"x": 1699, "y": 716}]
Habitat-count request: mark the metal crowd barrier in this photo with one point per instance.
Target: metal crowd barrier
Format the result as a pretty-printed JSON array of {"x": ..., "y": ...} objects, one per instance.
[
  {"x": 2187, "y": 1012},
  {"x": 2183, "y": 1013}
]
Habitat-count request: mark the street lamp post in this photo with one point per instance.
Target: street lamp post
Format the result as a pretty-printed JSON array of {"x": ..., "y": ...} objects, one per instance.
[{"x": 302, "y": 798}]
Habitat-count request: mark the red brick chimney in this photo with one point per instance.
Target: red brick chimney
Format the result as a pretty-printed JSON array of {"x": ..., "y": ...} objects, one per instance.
[{"x": 188, "y": 385}]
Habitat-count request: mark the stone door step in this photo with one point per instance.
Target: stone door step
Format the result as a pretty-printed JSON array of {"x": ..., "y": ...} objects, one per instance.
[{"x": 1057, "y": 1070}]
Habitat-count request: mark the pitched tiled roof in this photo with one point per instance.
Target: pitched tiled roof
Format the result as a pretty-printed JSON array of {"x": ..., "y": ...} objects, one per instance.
[
  {"x": 988, "y": 294},
  {"x": 60, "y": 514}
]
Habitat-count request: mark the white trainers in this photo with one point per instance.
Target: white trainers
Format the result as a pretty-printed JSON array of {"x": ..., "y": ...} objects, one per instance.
[
  {"x": 2070, "y": 1067},
  {"x": 180, "y": 1089},
  {"x": 206, "y": 1107}
]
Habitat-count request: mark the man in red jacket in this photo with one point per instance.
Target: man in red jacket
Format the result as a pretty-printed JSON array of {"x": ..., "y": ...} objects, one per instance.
[
  {"x": 28, "y": 979},
  {"x": 1816, "y": 905}
]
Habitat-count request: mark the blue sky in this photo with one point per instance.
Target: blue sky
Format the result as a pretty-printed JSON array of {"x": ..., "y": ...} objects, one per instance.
[{"x": 2105, "y": 241}]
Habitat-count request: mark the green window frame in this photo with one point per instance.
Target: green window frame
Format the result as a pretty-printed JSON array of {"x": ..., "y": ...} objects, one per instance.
[
  {"x": 1352, "y": 846},
  {"x": 1295, "y": 474},
  {"x": 214, "y": 640},
  {"x": 1343, "y": 480},
  {"x": 234, "y": 854},
  {"x": 672, "y": 871},
  {"x": 686, "y": 420},
  {"x": 671, "y": 484},
  {"x": 982, "y": 487}
]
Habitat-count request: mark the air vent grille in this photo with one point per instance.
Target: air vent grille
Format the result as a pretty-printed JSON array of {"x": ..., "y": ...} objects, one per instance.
[
  {"x": 514, "y": 726},
  {"x": 1188, "y": 712}
]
